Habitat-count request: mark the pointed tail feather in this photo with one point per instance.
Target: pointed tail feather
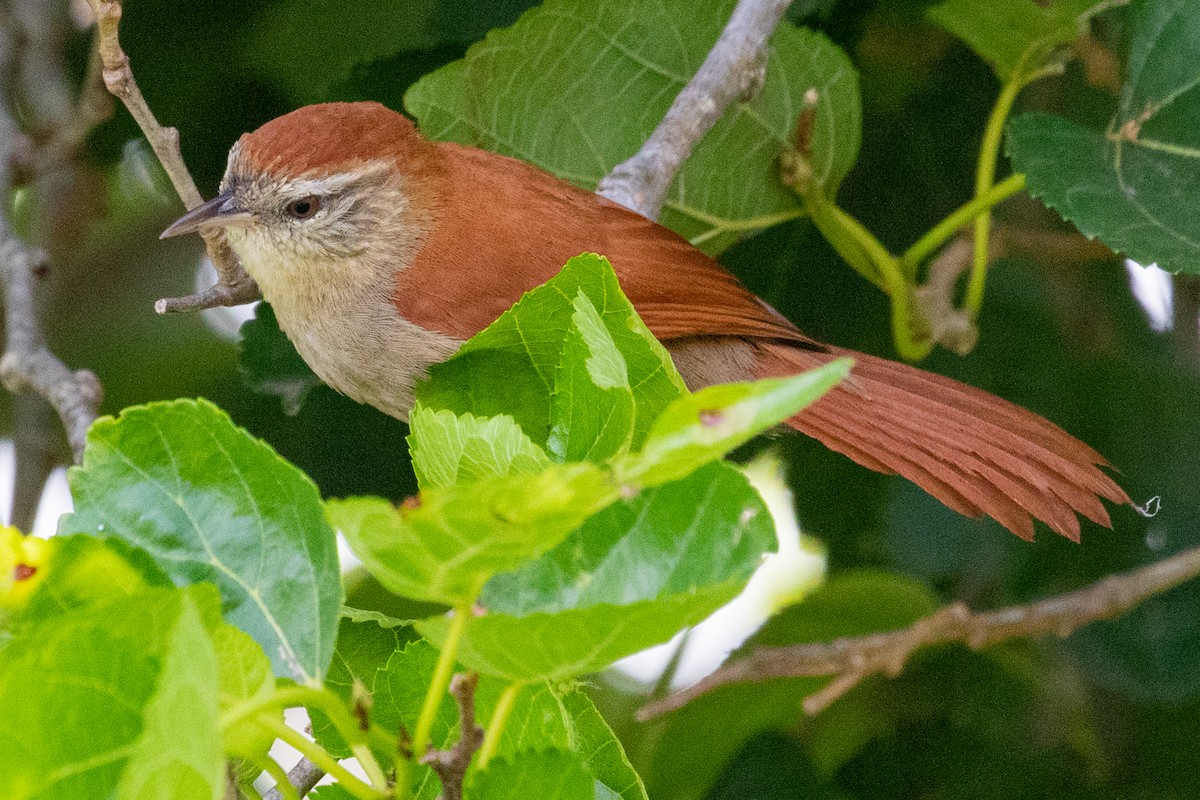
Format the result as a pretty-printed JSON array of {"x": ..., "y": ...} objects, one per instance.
[{"x": 973, "y": 451}]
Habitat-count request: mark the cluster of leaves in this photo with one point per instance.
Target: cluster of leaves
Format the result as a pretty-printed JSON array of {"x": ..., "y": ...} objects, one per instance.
[
  {"x": 581, "y": 500},
  {"x": 1130, "y": 185},
  {"x": 154, "y": 673},
  {"x": 515, "y": 93}
]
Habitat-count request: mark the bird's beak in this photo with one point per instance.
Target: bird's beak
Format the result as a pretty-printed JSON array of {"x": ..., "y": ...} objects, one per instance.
[{"x": 222, "y": 211}]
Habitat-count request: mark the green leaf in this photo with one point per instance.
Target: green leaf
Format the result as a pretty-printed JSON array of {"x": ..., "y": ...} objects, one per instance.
[
  {"x": 331, "y": 792},
  {"x": 448, "y": 449},
  {"x": 545, "y": 89},
  {"x": 1134, "y": 186},
  {"x": 322, "y": 41},
  {"x": 84, "y": 571},
  {"x": 118, "y": 700},
  {"x": 592, "y": 410},
  {"x": 513, "y": 366},
  {"x": 702, "y": 427},
  {"x": 631, "y": 577},
  {"x": 547, "y": 775},
  {"x": 211, "y": 503},
  {"x": 542, "y": 717},
  {"x": 370, "y": 615},
  {"x": 445, "y": 546},
  {"x": 546, "y": 716},
  {"x": 1012, "y": 34},
  {"x": 243, "y": 675},
  {"x": 399, "y": 697},
  {"x": 362, "y": 652},
  {"x": 576, "y": 641},
  {"x": 271, "y": 365},
  {"x": 706, "y": 529}
]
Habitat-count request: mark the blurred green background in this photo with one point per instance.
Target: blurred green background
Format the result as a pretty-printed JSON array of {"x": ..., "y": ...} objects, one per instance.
[{"x": 1112, "y": 711}]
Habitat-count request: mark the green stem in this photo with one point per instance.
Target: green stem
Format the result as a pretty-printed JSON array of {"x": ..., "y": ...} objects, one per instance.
[
  {"x": 332, "y": 707},
  {"x": 491, "y": 739},
  {"x": 318, "y": 755},
  {"x": 888, "y": 274},
  {"x": 382, "y": 738},
  {"x": 718, "y": 226},
  {"x": 290, "y": 696},
  {"x": 985, "y": 175},
  {"x": 282, "y": 784},
  {"x": 433, "y": 698},
  {"x": 366, "y": 760},
  {"x": 441, "y": 680},
  {"x": 941, "y": 233},
  {"x": 847, "y": 239}
]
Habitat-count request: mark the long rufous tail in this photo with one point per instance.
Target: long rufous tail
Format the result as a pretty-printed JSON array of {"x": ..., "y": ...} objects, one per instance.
[{"x": 973, "y": 451}]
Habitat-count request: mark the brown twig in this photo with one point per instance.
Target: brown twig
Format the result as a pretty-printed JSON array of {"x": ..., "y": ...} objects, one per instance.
[
  {"x": 234, "y": 286},
  {"x": 851, "y": 660},
  {"x": 733, "y": 70},
  {"x": 451, "y": 765},
  {"x": 303, "y": 777}
]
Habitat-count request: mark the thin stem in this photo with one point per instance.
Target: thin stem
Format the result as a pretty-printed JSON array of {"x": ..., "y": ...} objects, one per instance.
[
  {"x": 328, "y": 704},
  {"x": 985, "y": 176},
  {"x": 944, "y": 231},
  {"x": 382, "y": 738},
  {"x": 889, "y": 275},
  {"x": 844, "y": 240},
  {"x": 320, "y": 699},
  {"x": 366, "y": 759},
  {"x": 495, "y": 729},
  {"x": 441, "y": 680},
  {"x": 718, "y": 226},
  {"x": 303, "y": 777},
  {"x": 433, "y": 699},
  {"x": 283, "y": 784},
  {"x": 318, "y": 755}
]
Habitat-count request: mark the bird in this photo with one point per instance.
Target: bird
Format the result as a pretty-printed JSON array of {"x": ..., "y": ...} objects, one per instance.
[{"x": 382, "y": 252}]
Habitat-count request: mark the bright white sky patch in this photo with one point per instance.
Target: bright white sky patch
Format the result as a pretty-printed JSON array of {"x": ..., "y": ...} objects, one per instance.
[
  {"x": 782, "y": 579},
  {"x": 1152, "y": 288}
]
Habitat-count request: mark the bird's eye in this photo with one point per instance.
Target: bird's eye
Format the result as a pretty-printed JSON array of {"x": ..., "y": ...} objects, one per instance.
[{"x": 304, "y": 207}]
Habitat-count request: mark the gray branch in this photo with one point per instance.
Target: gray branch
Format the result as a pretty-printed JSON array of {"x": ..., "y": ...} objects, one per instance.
[
  {"x": 851, "y": 660},
  {"x": 303, "y": 777},
  {"x": 27, "y": 364},
  {"x": 734, "y": 69}
]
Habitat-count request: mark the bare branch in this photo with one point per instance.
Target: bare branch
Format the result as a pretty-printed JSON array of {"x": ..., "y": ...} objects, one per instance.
[
  {"x": 93, "y": 107},
  {"x": 303, "y": 777},
  {"x": 234, "y": 286},
  {"x": 27, "y": 364},
  {"x": 733, "y": 70},
  {"x": 451, "y": 765},
  {"x": 949, "y": 325},
  {"x": 219, "y": 294},
  {"x": 851, "y": 660}
]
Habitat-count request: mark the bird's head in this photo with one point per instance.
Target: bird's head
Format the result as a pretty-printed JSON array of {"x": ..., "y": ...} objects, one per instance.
[{"x": 330, "y": 192}]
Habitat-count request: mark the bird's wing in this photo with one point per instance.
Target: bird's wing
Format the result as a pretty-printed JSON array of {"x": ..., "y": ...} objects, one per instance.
[{"x": 504, "y": 227}]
